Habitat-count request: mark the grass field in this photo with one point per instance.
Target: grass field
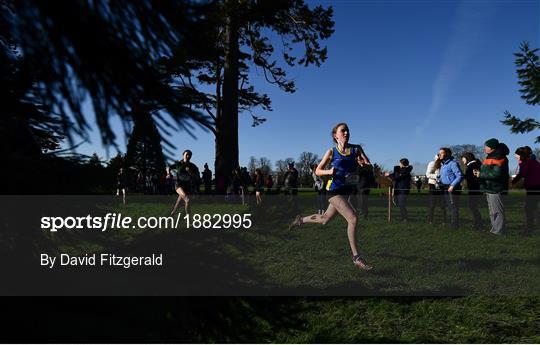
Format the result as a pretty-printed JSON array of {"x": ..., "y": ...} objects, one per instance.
[
  {"x": 413, "y": 259},
  {"x": 430, "y": 284}
]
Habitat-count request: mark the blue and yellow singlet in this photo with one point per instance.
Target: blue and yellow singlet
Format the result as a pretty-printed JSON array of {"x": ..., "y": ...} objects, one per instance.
[{"x": 345, "y": 169}]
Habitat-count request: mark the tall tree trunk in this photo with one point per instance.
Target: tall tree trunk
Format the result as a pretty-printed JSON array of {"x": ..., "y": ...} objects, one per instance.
[{"x": 227, "y": 118}]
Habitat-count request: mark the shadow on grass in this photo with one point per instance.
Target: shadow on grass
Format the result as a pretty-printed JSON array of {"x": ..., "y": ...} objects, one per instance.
[
  {"x": 152, "y": 320},
  {"x": 196, "y": 262},
  {"x": 474, "y": 264}
]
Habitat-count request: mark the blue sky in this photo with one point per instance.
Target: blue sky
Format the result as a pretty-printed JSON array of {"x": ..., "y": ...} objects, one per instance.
[{"x": 407, "y": 76}]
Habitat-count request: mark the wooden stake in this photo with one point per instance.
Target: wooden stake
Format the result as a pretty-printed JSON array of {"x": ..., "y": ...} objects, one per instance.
[{"x": 389, "y": 204}]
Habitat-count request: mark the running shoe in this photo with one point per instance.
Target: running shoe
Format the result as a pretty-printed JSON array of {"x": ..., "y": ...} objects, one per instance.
[
  {"x": 296, "y": 222},
  {"x": 361, "y": 263}
]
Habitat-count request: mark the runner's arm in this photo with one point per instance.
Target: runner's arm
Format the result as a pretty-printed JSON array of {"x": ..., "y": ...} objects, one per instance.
[{"x": 320, "y": 171}]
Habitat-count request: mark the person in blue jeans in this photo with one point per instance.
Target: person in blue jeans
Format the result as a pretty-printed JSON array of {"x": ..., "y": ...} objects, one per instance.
[{"x": 451, "y": 177}]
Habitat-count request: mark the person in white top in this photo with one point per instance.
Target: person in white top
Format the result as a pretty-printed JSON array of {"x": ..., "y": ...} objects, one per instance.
[{"x": 436, "y": 194}]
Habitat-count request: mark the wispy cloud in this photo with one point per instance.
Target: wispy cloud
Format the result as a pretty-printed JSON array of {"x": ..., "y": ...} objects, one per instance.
[{"x": 466, "y": 38}]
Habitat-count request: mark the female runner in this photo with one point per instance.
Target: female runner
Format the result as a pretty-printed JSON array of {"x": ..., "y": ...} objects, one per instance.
[
  {"x": 259, "y": 185},
  {"x": 121, "y": 184},
  {"x": 343, "y": 179}
]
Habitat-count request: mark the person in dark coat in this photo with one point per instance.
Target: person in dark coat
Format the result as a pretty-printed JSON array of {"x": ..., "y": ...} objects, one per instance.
[
  {"x": 187, "y": 174},
  {"x": 529, "y": 171},
  {"x": 494, "y": 178},
  {"x": 291, "y": 185},
  {"x": 269, "y": 183},
  {"x": 366, "y": 180},
  {"x": 291, "y": 180},
  {"x": 207, "y": 179},
  {"x": 418, "y": 184},
  {"x": 436, "y": 194},
  {"x": 473, "y": 187},
  {"x": 401, "y": 178}
]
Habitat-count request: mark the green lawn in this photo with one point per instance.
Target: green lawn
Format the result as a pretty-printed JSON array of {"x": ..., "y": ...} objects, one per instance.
[
  {"x": 413, "y": 259},
  {"x": 429, "y": 284}
]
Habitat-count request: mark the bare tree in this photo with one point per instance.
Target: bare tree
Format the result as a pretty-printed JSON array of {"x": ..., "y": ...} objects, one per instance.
[
  {"x": 265, "y": 165},
  {"x": 305, "y": 161},
  {"x": 252, "y": 165},
  {"x": 459, "y": 150}
]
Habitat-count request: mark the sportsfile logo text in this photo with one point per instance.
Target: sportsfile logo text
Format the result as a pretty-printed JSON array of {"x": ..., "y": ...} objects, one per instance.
[{"x": 109, "y": 221}]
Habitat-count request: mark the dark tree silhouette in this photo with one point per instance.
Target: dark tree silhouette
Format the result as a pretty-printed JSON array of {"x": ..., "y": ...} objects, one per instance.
[
  {"x": 116, "y": 163},
  {"x": 144, "y": 152},
  {"x": 103, "y": 52},
  {"x": 240, "y": 39},
  {"x": 528, "y": 71},
  {"x": 27, "y": 126},
  {"x": 94, "y": 161}
]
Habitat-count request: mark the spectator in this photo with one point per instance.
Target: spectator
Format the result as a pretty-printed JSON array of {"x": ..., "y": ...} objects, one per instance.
[
  {"x": 291, "y": 185},
  {"x": 155, "y": 184},
  {"x": 451, "y": 177},
  {"x": 121, "y": 184},
  {"x": 140, "y": 182},
  {"x": 401, "y": 178},
  {"x": 473, "y": 187},
  {"x": 269, "y": 183},
  {"x": 235, "y": 185},
  {"x": 418, "y": 183},
  {"x": 245, "y": 182},
  {"x": 207, "y": 179},
  {"x": 529, "y": 171},
  {"x": 259, "y": 185},
  {"x": 148, "y": 184},
  {"x": 366, "y": 180},
  {"x": 436, "y": 195},
  {"x": 318, "y": 185},
  {"x": 291, "y": 180},
  {"x": 169, "y": 181},
  {"x": 494, "y": 178}
]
